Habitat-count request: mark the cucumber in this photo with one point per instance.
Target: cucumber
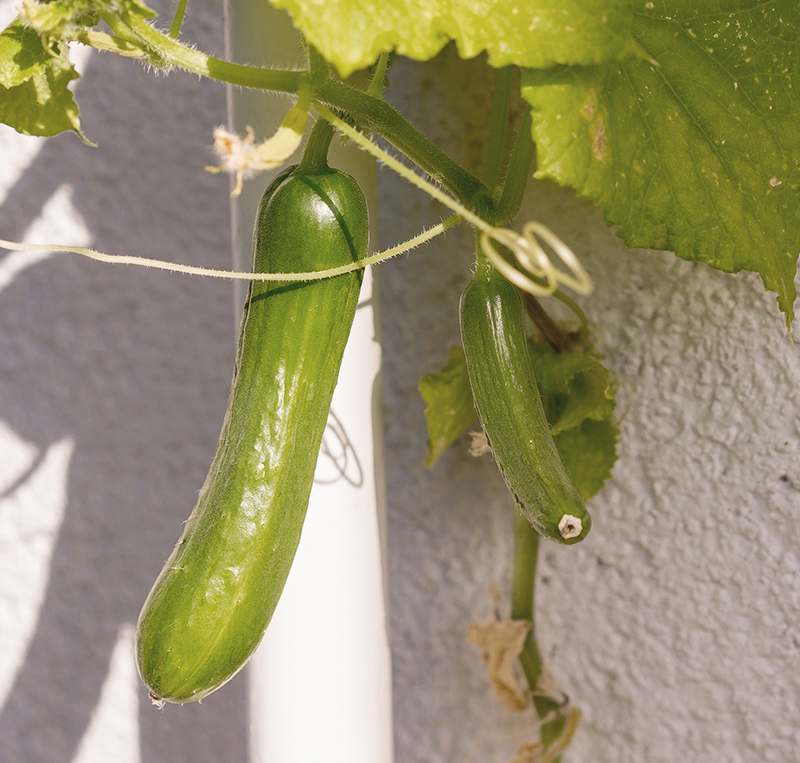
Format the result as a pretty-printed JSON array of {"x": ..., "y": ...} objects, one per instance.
[
  {"x": 503, "y": 380},
  {"x": 214, "y": 598}
]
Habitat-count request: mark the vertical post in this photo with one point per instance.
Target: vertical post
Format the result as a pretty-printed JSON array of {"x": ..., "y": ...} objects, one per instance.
[{"x": 320, "y": 683}]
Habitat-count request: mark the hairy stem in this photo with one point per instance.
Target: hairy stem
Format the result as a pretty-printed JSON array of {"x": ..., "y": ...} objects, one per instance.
[
  {"x": 367, "y": 112},
  {"x": 318, "y": 67},
  {"x": 197, "y": 62},
  {"x": 234, "y": 275},
  {"x": 378, "y": 82},
  {"x": 105, "y": 43},
  {"x": 374, "y": 115},
  {"x": 177, "y": 19}
]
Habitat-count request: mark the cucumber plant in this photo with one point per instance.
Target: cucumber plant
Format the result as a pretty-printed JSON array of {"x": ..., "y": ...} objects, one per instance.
[{"x": 605, "y": 90}]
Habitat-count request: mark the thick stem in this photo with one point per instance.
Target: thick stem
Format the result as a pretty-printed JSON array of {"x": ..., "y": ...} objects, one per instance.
[
  {"x": 492, "y": 162},
  {"x": 375, "y": 115},
  {"x": 518, "y": 172},
  {"x": 197, "y": 62},
  {"x": 315, "y": 158},
  {"x": 367, "y": 112},
  {"x": 318, "y": 67},
  {"x": 526, "y": 556},
  {"x": 498, "y": 126},
  {"x": 121, "y": 31},
  {"x": 483, "y": 267},
  {"x": 107, "y": 44}
]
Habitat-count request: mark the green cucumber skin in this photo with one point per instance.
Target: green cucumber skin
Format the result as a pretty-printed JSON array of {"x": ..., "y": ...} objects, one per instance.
[
  {"x": 214, "y": 598},
  {"x": 503, "y": 380}
]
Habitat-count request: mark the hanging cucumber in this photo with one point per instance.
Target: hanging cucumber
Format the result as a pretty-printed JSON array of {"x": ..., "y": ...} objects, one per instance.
[
  {"x": 216, "y": 594},
  {"x": 503, "y": 381}
]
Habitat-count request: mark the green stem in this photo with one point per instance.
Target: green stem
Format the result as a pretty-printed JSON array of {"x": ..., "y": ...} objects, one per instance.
[
  {"x": 177, "y": 19},
  {"x": 378, "y": 82},
  {"x": 318, "y": 67},
  {"x": 315, "y": 158},
  {"x": 518, "y": 172},
  {"x": 374, "y": 115},
  {"x": 122, "y": 32},
  {"x": 197, "y": 62},
  {"x": 575, "y": 307},
  {"x": 498, "y": 126},
  {"x": 526, "y": 556},
  {"x": 367, "y": 112},
  {"x": 523, "y": 599},
  {"x": 493, "y": 159},
  {"x": 107, "y": 44},
  {"x": 549, "y": 329},
  {"x": 483, "y": 267}
]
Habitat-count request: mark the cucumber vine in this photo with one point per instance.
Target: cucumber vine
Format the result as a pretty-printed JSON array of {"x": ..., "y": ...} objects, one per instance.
[{"x": 595, "y": 96}]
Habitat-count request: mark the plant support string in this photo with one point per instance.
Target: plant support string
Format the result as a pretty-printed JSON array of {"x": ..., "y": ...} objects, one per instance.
[{"x": 235, "y": 275}]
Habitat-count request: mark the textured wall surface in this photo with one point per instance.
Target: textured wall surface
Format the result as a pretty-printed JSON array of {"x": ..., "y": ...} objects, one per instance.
[
  {"x": 113, "y": 385},
  {"x": 672, "y": 627}
]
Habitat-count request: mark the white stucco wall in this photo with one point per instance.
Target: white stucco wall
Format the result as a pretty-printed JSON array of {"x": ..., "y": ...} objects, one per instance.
[
  {"x": 113, "y": 385},
  {"x": 672, "y": 627}
]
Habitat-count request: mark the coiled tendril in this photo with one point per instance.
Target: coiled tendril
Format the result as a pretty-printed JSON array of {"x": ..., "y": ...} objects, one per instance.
[
  {"x": 532, "y": 260},
  {"x": 533, "y": 270}
]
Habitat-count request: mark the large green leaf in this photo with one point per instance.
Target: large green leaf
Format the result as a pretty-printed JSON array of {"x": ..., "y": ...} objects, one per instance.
[
  {"x": 696, "y": 150},
  {"x": 352, "y": 33}
]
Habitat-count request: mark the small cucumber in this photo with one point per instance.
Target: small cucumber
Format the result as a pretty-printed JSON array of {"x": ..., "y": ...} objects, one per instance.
[
  {"x": 503, "y": 381},
  {"x": 216, "y": 594}
]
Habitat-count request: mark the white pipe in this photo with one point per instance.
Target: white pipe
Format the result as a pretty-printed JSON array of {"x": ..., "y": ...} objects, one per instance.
[{"x": 320, "y": 683}]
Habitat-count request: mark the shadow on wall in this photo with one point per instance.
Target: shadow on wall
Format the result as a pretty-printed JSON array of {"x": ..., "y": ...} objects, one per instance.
[{"x": 133, "y": 369}]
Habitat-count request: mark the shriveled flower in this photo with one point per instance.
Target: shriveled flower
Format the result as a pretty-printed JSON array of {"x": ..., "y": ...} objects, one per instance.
[
  {"x": 501, "y": 642},
  {"x": 243, "y": 157},
  {"x": 479, "y": 444}
]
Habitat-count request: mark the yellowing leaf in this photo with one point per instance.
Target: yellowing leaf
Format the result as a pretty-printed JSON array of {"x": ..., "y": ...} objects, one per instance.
[
  {"x": 35, "y": 98},
  {"x": 351, "y": 34},
  {"x": 21, "y": 55},
  {"x": 500, "y": 643}
]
